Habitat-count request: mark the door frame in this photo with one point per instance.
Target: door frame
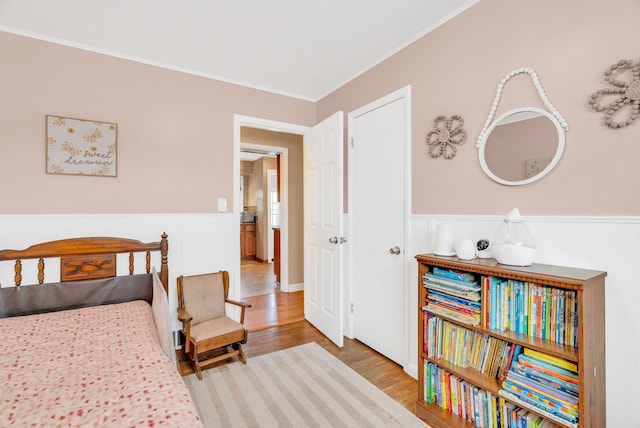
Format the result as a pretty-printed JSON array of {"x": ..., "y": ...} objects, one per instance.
[
  {"x": 270, "y": 244},
  {"x": 240, "y": 121},
  {"x": 401, "y": 94}
]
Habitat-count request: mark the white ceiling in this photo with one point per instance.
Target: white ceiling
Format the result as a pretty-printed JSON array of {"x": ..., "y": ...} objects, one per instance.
[{"x": 297, "y": 48}]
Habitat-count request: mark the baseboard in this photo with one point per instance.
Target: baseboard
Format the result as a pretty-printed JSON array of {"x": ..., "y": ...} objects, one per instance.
[{"x": 296, "y": 287}]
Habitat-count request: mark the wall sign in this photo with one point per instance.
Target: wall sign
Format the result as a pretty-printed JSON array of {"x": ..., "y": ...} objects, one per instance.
[{"x": 81, "y": 147}]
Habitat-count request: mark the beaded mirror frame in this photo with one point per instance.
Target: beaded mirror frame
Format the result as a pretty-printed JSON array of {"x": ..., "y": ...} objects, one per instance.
[
  {"x": 554, "y": 116},
  {"x": 536, "y": 82}
]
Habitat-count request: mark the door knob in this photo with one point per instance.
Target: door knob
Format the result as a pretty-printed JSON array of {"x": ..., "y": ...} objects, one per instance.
[
  {"x": 333, "y": 240},
  {"x": 395, "y": 250}
]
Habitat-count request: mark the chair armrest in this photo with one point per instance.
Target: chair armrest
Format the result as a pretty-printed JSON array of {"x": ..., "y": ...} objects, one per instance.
[
  {"x": 242, "y": 305},
  {"x": 184, "y": 315},
  {"x": 238, "y": 303}
]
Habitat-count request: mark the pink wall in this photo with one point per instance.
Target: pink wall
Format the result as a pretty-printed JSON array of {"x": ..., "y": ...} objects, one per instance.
[
  {"x": 175, "y": 131},
  {"x": 456, "y": 69}
]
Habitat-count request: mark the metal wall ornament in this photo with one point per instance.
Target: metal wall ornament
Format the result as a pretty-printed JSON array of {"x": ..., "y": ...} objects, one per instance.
[
  {"x": 448, "y": 133},
  {"x": 625, "y": 93}
]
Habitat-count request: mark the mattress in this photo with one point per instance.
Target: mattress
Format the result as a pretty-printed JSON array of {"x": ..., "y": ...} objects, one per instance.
[{"x": 98, "y": 366}]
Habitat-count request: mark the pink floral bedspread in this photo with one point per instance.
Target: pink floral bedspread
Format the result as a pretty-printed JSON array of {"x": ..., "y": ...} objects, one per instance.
[{"x": 101, "y": 366}]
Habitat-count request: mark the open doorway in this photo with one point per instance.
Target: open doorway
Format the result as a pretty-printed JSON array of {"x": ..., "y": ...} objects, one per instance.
[
  {"x": 258, "y": 220},
  {"x": 278, "y": 202}
]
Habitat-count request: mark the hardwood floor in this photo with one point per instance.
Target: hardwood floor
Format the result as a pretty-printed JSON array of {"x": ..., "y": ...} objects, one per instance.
[
  {"x": 276, "y": 321},
  {"x": 377, "y": 369},
  {"x": 257, "y": 279},
  {"x": 270, "y": 310},
  {"x": 269, "y": 306}
]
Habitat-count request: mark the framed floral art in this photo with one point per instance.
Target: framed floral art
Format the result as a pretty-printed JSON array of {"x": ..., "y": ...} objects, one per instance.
[{"x": 81, "y": 147}]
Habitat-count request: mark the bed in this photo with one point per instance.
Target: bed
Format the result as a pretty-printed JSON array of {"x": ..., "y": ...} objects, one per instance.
[{"x": 91, "y": 348}]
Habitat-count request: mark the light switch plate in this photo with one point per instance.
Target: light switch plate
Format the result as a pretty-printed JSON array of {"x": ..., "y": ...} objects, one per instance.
[{"x": 222, "y": 204}]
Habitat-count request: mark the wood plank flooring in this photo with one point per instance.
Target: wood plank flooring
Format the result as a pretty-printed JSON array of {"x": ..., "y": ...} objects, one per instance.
[
  {"x": 276, "y": 321},
  {"x": 269, "y": 306},
  {"x": 377, "y": 369},
  {"x": 257, "y": 279},
  {"x": 270, "y": 310}
]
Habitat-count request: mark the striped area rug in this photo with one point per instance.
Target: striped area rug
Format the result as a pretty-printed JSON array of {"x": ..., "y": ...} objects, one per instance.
[{"x": 304, "y": 386}]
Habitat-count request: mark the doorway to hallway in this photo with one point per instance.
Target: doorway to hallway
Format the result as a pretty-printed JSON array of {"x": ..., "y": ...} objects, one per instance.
[
  {"x": 270, "y": 307},
  {"x": 272, "y": 304}
]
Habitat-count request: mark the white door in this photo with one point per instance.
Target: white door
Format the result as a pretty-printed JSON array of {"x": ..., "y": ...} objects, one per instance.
[
  {"x": 273, "y": 210},
  {"x": 323, "y": 228},
  {"x": 378, "y": 206}
]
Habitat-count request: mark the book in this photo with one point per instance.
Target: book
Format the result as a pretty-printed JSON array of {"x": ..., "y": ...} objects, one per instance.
[
  {"x": 425, "y": 331},
  {"x": 549, "y": 369},
  {"x": 498, "y": 370},
  {"x": 494, "y": 420},
  {"x": 519, "y": 325},
  {"x": 536, "y": 403},
  {"x": 465, "y": 294},
  {"x": 453, "y": 283},
  {"x": 446, "y": 312},
  {"x": 553, "y": 315},
  {"x": 482, "y": 407},
  {"x": 485, "y": 301},
  {"x": 453, "y": 301},
  {"x": 453, "y": 394},
  {"x": 533, "y": 420},
  {"x": 493, "y": 302},
  {"x": 513, "y": 354},
  {"x": 471, "y": 303},
  {"x": 525, "y": 308},
  {"x": 556, "y": 361},
  {"x": 448, "y": 273},
  {"x": 521, "y": 416},
  {"x": 523, "y": 402},
  {"x": 545, "y": 392},
  {"x": 431, "y": 393},
  {"x": 476, "y": 407},
  {"x": 550, "y": 381},
  {"x": 562, "y": 298}
]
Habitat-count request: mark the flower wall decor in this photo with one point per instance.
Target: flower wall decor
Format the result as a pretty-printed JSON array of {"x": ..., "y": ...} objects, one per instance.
[
  {"x": 625, "y": 93},
  {"x": 446, "y": 135}
]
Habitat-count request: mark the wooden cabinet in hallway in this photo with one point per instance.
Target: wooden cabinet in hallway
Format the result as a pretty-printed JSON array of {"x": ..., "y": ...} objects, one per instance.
[{"x": 247, "y": 241}]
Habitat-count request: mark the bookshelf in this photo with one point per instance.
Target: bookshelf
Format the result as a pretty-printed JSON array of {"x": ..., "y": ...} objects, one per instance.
[{"x": 587, "y": 289}]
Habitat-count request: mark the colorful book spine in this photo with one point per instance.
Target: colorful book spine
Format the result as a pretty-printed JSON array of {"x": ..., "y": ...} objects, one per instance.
[
  {"x": 549, "y": 413},
  {"x": 546, "y": 393},
  {"x": 485, "y": 301},
  {"x": 556, "y": 361},
  {"x": 527, "y": 308},
  {"x": 451, "y": 274},
  {"x": 463, "y": 285},
  {"x": 568, "y": 375},
  {"x": 545, "y": 379}
]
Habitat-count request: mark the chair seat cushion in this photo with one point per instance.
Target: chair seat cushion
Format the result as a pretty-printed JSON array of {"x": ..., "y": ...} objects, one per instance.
[{"x": 214, "y": 328}]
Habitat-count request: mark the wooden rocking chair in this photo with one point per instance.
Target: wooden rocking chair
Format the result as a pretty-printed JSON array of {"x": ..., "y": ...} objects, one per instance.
[{"x": 202, "y": 310}]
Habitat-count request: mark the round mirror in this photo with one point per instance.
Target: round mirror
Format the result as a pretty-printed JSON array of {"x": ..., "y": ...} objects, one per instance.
[{"x": 521, "y": 146}]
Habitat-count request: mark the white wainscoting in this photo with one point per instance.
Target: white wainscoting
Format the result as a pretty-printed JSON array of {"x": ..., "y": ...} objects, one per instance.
[
  {"x": 610, "y": 244},
  {"x": 207, "y": 242},
  {"x": 198, "y": 243}
]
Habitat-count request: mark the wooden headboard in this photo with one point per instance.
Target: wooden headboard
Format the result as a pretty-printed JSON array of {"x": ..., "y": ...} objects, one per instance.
[{"x": 88, "y": 258}]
